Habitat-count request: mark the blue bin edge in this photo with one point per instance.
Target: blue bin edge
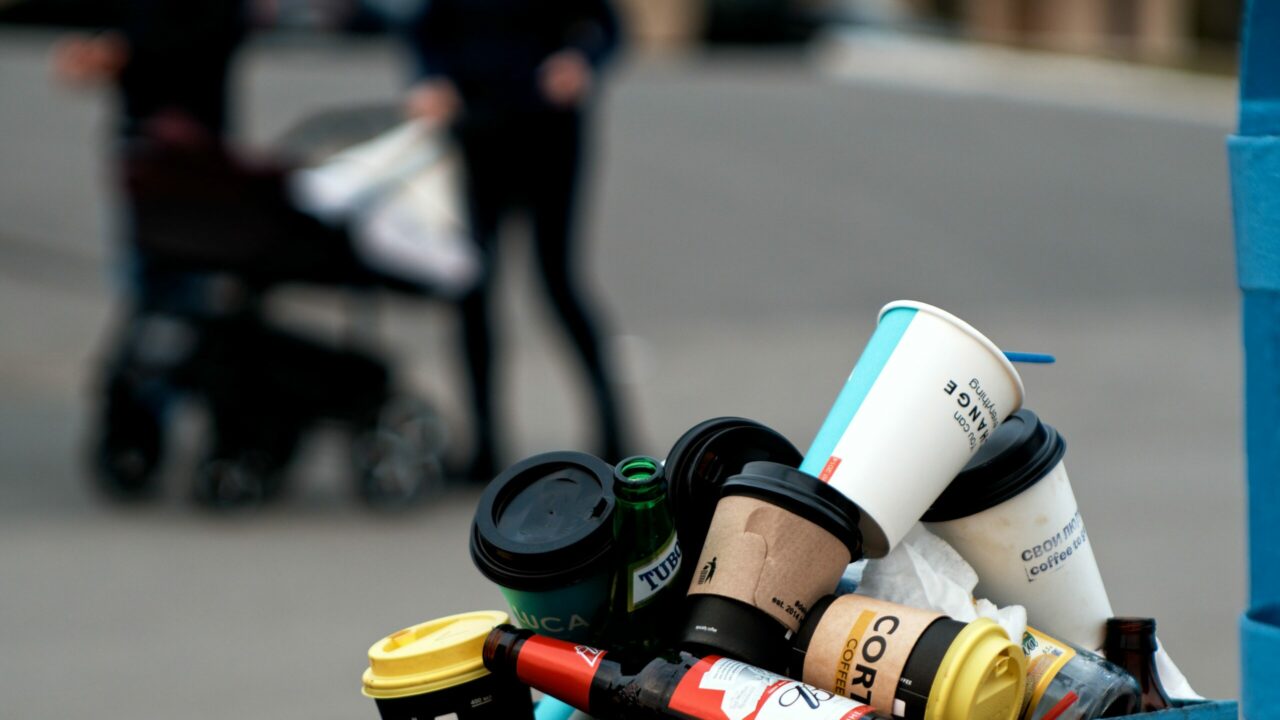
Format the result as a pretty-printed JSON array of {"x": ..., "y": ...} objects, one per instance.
[{"x": 1196, "y": 710}]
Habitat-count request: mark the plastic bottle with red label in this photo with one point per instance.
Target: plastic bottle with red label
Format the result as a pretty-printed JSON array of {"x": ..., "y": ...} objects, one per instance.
[{"x": 690, "y": 688}]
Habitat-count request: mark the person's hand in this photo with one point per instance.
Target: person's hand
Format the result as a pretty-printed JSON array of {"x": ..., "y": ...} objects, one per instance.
[
  {"x": 565, "y": 78},
  {"x": 435, "y": 101},
  {"x": 90, "y": 59}
]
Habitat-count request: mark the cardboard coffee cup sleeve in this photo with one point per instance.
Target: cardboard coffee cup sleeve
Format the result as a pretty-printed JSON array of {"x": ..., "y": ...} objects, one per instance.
[
  {"x": 861, "y": 648},
  {"x": 731, "y": 568},
  {"x": 770, "y": 558}
]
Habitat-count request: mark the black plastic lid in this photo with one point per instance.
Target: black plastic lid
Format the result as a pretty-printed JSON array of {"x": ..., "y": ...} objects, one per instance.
[
  {"x": 1020, "y": 452},
  {"x": 804, "y": 636},
  {"x": 705, "y": 457},
  {"x": 802, "y": 494},
  {"x": 545, "y": 522}
]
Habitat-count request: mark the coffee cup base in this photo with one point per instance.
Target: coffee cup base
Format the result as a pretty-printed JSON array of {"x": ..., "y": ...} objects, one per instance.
[{"x": 718, "y": 625}]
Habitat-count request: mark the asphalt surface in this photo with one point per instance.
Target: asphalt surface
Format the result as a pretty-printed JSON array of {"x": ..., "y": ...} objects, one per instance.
[{"x": 752, "y": 216}]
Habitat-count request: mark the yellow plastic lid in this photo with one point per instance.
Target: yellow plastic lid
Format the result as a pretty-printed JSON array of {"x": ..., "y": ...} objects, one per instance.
[
  {"x": 431, "y": 656},
  {"x": 983, "y": 676}
]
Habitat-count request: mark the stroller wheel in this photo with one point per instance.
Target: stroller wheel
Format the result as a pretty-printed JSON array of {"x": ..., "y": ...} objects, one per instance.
[
  {"x": 397, "y": 463},
  {"x": 127, "y": 474},
  {"x": 128, "y": 453},
  {"x": 416, "y": 422},
  {"x": 232, "y": 484}
]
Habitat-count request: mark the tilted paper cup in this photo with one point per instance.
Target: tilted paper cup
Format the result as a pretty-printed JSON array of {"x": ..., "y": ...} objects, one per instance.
[
  {"x": 926, "y": 393},
  {"x": 1013, "y": 516},
  {"x": 910, "y": 663},
  {"x": 779, "y": 541}
]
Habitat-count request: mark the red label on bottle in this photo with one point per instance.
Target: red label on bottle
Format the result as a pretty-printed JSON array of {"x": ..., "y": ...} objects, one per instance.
[
  {"x": 689, "y": 697},
  {"x": 560, "y": 669},
  {"x": 829, "y": 469},
  {"x": 720, "y": 689}
]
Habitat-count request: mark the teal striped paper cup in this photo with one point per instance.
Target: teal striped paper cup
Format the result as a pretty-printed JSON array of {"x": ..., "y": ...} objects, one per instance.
[{"x": 926, "y": 393}]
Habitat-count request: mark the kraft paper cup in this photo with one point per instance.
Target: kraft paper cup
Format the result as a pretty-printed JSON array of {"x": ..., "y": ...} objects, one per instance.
[
  {"x": 778, "y": 542},
  {"x": 910, "y": 663},
  {"x": 926, "y": 393},
  {"x": 543, "y": 532},
  {"x": 1013, "y": 516},
  {"x": 702, "y": 460}
]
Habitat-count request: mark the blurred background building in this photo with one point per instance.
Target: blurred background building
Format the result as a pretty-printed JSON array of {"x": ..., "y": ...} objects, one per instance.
[{"x": 1195, "y": 32}]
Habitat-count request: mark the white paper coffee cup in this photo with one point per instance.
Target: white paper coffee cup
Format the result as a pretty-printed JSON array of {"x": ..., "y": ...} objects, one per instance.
[
  {"x": 1013, "y": 516},
  {"x": 926, "y": 393}
]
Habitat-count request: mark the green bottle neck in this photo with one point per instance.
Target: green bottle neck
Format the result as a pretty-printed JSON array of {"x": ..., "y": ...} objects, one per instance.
[{"x": 639, "y": 481}]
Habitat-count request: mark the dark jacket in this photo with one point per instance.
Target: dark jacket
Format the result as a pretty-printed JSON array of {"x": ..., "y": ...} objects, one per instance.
[
  {"x": 179, "y": 58},
  {"x": 179, "y": 51},
  {"x": 491, "y": 49}
]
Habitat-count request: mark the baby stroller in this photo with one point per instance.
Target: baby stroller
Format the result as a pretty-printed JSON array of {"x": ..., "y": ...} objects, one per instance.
[{"x": 214, "y": 236}]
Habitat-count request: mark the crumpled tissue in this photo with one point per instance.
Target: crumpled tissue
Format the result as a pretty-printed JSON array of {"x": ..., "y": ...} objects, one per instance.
[{"x": 923, "y": 571}]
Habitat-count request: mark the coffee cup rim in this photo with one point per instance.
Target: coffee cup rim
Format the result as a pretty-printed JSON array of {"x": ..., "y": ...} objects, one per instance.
[{"x": 969, "y": 330}]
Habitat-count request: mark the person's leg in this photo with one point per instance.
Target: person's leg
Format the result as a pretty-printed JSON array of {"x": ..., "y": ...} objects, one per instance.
[
  {"x": 486, "y": 199},
  {"x": 554, "y": 195}
]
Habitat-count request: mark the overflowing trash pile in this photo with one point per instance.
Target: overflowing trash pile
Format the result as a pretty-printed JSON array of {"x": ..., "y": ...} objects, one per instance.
[{"x": 925, "y": 560}]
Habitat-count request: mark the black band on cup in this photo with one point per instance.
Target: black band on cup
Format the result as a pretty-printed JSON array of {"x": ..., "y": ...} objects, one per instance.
[
  {"x": 800, "y": 643},
  {"x": 718, "y": 625},
  {"x": 916, "y": 681},
  {"x": 485, "y": 698}
]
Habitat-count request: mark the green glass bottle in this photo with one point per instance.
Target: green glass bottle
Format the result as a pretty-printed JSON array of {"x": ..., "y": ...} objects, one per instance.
[{"x": 644, "y": 600}]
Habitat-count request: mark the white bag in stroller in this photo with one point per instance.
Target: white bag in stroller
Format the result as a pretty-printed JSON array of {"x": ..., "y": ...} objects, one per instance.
[{"x": 399, "y": 193}]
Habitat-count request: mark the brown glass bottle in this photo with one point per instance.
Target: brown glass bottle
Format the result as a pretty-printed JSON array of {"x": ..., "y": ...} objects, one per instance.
[
  {"x": 1131, "y": 644},
  {"x": 710, "y": 688}
]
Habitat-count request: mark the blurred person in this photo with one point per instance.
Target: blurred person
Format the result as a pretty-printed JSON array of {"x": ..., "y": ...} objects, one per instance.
[
  {"x": 164, "y": 57},
  {"x": 513, "y": 80},
  {"x": 169, "y": 63}
]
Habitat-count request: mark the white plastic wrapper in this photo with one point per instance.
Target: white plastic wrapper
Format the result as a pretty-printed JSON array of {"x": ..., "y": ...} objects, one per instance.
[
  {"x": 345, "y": 184},
  {"x": 399, "y": 194},
  {"x": 925, "y": 572}
]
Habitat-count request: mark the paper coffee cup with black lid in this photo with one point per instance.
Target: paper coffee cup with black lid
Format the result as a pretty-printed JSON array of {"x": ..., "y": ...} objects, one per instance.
[
  {"x": 1012, "y": 515},
  {"x": 543, "y": 531},
  {"x": 700, "y": 462},
  {"x": 910, "y": 663},
  {"x": 778, "y": 542}
]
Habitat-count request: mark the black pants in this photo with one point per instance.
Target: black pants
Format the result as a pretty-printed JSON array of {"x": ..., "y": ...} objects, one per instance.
[{"x": 530, "y": 163}]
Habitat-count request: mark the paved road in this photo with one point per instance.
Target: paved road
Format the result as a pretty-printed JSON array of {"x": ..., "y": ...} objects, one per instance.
[{"x": 752, "y": 218}]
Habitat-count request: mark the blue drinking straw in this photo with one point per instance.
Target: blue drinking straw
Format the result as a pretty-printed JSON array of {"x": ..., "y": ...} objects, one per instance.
[{"x": 1032, "y": 358}]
